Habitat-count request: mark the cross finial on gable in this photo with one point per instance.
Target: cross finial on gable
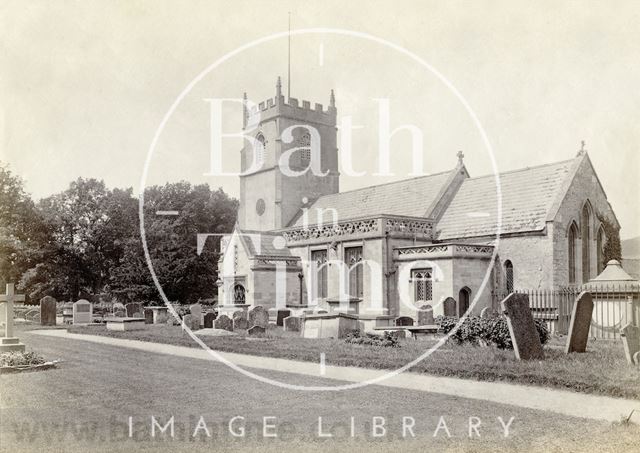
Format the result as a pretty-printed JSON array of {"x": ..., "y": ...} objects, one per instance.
[
  {"x": 460, "y": 157},
  {"x": 582, "y": 150}
]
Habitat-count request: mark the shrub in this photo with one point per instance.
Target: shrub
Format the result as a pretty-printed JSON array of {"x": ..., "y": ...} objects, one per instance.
[
  {"x": 20, "y": 359},
  {"x": 388, "y": 339},
  {"x": 476, "y": 330}
]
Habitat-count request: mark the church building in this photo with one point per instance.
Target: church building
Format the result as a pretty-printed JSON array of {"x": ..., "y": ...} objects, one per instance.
[{"x": 387, "y": 250}]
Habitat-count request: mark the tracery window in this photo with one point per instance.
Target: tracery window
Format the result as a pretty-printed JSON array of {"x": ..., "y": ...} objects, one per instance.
[
  {"x": 508, "y": 272},
  {"x": 304, "y": 142},
  {"x": 261, "y": 148},
  {"x": 353, "y": 260},
  {"x": 422, "y": 280},
  {"x": 319, "y": 260},
  {"x": 238, "y": 294}
]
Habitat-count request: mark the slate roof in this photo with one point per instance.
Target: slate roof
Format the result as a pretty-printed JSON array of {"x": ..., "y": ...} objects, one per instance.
[
  {"x": 527, "y": 197},
  {"x": 260, "y": 243},
  {"x": 409, "y": 197}
]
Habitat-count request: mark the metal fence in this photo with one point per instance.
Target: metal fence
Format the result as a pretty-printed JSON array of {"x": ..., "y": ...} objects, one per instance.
[{"x": 614, "y": 306}]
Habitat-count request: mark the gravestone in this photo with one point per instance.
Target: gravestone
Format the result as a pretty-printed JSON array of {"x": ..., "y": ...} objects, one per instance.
[
  {"x": 82, "y": 311},
  {"x": 631, "y": 341},
  {"x": 256, "y": 331},
  {"x": 404, "y": 321},
  {"x": 196, "y": 312},
  {"x": 258, "y": 316},
  {"x": 148, "y": 316},
  {"x": 449, "y": 307},
  {"x": 240, "y": 321},
  {"x": 636, "y": 358},
  {"x": 120, "y": 314},
  {"x": 580, "y": 324},
  {"x": 208, "y": 320},
  {"x": 134, "y": 310},
  {"x": 292, "y": 324},
  {"x": 48, "y": 311},
  {"x": 425, "y": 316},
  {"x": 223, "y": 322},
  {"x": 191, "y": 322},
  {"x": 522, "y": 328},
  {"x": 8, "y": 342}
]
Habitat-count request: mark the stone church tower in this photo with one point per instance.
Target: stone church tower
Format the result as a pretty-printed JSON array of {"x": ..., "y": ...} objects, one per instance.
[{"x": 269, "y": 198}]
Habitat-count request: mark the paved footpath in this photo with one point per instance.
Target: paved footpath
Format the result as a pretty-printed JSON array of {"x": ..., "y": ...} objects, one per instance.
[{"x": 561, "y": 402}]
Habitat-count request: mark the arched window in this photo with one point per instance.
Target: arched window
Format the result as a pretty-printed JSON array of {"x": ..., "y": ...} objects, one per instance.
[
  {"x": 585, "y": 222},
  {"x": 353, "y": 259},
  {"x": 238, "y": 294},
  {"x": 572, "y": 237},
  {"x": 600, "y": 241},
  {"x": 319, "y": 260},
  {"x": 464, "y": 296},
  {"x": 304, "y": 141},
  {"x": 508, "y": 273},
  {"x": 260, "y": 148}
]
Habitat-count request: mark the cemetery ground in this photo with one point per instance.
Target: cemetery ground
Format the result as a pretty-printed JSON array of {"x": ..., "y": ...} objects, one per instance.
[
  {"x": 84, "y": 405},
  {"x": 601, "y": 370}
]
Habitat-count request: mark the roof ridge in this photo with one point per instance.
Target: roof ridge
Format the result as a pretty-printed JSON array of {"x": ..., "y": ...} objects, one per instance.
[
  {"x": 387, "y": 183},
  {"x": 516, "y": 170}
]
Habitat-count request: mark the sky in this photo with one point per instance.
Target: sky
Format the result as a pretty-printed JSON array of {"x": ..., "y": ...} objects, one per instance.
[{"x": 84, "y": 86}]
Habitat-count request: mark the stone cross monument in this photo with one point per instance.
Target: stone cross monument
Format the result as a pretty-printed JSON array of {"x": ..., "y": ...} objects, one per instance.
[{"x": 9, "y": 342}]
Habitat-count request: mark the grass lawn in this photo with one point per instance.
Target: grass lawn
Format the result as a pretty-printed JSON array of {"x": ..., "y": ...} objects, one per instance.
[{"x": 601, "y": 370}]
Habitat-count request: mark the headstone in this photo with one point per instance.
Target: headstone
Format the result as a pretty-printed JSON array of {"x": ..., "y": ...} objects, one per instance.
[
  {"x": 256, "y": 331},
  {"x": 522, "y": 328},
  {"x": 292, "y": 324},
  {"x": 636, "y": 358},
  {"x": 240, "y": 321},
  {"x": 48, "y": 311},
  {"x": 449, "y": 307},
  {"x": 208, "y": 320},
  {"x": 119, "y": 314},
  {"x": 82, "y": 311},
  {"x": 425, "y": 316},
  {"x": 580, "y": 323},
  {"x": 134, "y": 310},
  {"x": 191, "y": 322},
  {"x": 223, "y": 322},
  {"x": 8, "y": 342},
  {"x": 631, "y": 341},
  {"x": 404, "y": 321},
  {"x": 196, "y": 312},
  {"x": 258, "y": 316},
  {"x": 148, "y": 316}
]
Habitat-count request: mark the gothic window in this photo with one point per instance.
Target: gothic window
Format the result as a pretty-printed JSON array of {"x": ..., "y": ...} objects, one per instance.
[
  {"x": 353, "y": 259},
  {"x": 586, "y": 242},
  {"x": 319, "y": 260},
  {"x": 508, "y": 272},
  {"x": 238, "y": 294},
  {"x": 304, "y": 142},
  {"x": 571, "y": 239},
  {"x": 600, "y": 241},
  {"x": 422, "y": 280},
  {"x": 260, "y": 148}
]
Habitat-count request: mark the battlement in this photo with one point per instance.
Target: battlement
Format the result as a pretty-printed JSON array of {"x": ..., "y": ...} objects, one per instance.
[{"x": 278, "y": 106}]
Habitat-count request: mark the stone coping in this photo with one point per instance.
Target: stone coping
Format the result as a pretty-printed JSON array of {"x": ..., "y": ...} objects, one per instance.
[
  {"x": 409, "y": 328},
  {"x": 330, "y": 316},
  {"x": 157, "y": 307},
  {"x": 124, "y": 320},
  {"x": 375, "y": 317}
]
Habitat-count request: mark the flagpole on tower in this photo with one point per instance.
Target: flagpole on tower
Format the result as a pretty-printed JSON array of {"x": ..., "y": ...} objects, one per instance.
[{"x": 289, "y": 62}]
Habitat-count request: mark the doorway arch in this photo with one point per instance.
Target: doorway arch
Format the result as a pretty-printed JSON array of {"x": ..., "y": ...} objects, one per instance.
[{"x": 464, "y": 296}]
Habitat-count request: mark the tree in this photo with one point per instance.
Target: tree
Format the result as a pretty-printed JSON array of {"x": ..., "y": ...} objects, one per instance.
[
  {"x": 612, "y": 249},
  {"x": 24, "y": 236}
]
